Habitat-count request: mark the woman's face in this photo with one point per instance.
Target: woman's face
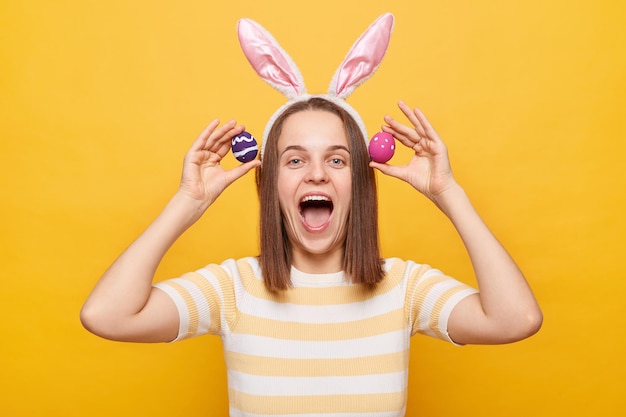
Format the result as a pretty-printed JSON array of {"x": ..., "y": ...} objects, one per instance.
[{"x": 315, "y": 187}]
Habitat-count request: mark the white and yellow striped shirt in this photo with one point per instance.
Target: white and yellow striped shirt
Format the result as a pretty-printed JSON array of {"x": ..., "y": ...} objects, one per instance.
[{"x": 325, "y": 347}]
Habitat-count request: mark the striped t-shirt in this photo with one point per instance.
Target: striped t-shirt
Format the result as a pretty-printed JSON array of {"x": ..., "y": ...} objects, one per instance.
[{"x": 324, "y": 347}]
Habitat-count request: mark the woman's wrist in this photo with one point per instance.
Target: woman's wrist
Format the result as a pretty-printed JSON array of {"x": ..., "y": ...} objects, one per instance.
[
  {"x": 450, "y": 198},
  {"x": 184, "y": 210}
]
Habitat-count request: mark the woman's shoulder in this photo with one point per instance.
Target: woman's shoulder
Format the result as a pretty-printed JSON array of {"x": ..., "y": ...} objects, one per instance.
[{"x": 246, "y": 267}]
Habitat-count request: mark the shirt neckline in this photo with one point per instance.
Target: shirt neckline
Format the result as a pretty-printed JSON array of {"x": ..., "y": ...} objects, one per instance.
[{"x": 304, "y": 279}]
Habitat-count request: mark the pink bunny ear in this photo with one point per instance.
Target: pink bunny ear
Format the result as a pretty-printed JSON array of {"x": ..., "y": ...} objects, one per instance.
[
  {"x": 269, "y": 60},
  {"x": 364, "y": 57}
]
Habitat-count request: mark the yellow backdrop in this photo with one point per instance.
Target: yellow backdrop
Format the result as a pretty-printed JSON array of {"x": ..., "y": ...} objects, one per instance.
[{"x": 100, "y": 101}]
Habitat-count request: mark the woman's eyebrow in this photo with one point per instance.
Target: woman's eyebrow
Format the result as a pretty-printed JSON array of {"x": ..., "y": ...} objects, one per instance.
[
  {"x": 339, "y": 148},
  {"x": 303, "y": 149},
  {"x": 293, "y": 148}
]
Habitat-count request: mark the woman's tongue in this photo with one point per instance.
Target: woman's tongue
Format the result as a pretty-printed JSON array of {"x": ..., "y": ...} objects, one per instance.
[{"x": 316, "y": 216}]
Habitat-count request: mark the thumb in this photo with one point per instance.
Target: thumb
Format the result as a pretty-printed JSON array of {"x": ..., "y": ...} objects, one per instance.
[
  {"x": 391, "y": 170},
  {"x": 241, "y": 170}
]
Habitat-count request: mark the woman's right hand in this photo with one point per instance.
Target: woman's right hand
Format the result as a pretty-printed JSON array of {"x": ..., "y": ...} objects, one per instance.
[{"x": 203, "y": 178}]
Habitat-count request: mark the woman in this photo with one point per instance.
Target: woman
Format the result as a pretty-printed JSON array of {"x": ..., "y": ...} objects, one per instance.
[{"x": 318, "y": 323}]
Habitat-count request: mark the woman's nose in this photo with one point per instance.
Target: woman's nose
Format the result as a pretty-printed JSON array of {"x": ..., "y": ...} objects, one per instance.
[{"x": 316, "y": 172}]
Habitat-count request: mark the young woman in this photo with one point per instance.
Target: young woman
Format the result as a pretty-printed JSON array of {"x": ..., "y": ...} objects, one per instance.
[{"x": 318, "y": 323}]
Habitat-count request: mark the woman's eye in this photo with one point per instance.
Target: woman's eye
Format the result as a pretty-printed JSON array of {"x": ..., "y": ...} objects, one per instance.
[
  {"x": 295, "y": 161},
  {"x": 337, "y": 161}
]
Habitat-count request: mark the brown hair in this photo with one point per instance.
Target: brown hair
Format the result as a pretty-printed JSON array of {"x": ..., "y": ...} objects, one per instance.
[{"x": 362, "y": 262}]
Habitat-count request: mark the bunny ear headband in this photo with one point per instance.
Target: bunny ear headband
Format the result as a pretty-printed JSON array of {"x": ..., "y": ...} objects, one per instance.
[{"x": 277, "y": 68}]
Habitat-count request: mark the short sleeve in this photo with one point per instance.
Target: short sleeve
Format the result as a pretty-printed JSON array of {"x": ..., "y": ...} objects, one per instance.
[
  {"x": 203, "y": 298},
  {"x": 430, "y": 298}
]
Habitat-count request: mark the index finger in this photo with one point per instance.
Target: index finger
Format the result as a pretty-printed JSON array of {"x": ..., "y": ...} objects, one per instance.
[{"x": 221, "y": 138}]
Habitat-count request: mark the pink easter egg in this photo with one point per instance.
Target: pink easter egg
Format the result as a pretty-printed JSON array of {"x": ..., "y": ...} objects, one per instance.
[{"x": 382, "y": 147}]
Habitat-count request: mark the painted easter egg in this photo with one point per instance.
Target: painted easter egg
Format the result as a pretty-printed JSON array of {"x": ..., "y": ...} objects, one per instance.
[
  {"x": 382, "y": 147},
  {"x": 244, "y": 147}
]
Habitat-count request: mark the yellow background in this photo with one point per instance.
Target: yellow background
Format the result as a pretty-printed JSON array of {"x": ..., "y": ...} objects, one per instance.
[{"x": 100, "y": 100}]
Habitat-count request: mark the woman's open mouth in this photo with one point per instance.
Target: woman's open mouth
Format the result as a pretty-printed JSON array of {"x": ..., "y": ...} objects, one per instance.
[{"x": 315, "y": 211}]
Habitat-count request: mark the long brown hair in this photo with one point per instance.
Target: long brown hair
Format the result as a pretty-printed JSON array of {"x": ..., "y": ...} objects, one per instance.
[{"x": 362, "y": 262}]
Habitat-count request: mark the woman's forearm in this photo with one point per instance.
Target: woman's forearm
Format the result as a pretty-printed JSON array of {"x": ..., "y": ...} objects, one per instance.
[
  {"x": 506, "y": 299},
  {"x": 125, "y": 288}
]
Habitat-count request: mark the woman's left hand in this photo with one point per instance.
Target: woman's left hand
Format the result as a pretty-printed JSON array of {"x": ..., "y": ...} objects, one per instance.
[{"x": 429, "y": 170}]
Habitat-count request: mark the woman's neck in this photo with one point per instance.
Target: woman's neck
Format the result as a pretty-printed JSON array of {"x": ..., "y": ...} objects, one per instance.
[{"x": 323, "y": 263}]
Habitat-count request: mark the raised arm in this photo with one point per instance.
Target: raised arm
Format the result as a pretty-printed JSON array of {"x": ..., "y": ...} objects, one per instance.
[
  {"x": 505, "y": 309},
  {"x": 123, "y": 305}
]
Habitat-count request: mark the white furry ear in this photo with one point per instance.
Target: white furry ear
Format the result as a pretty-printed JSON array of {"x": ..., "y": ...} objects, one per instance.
[
  {"x": 269, "y": 59},
  {"x": 364, "y": 57}
]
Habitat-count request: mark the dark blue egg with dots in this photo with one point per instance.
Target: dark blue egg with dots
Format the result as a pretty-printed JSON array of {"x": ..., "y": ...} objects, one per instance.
[{"x": 244, "y": 147}]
